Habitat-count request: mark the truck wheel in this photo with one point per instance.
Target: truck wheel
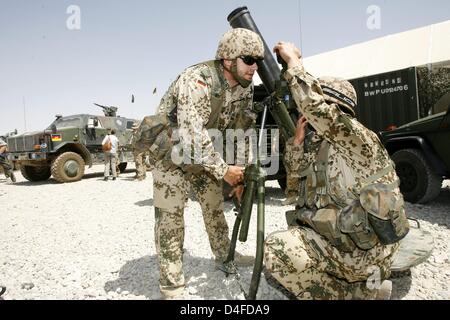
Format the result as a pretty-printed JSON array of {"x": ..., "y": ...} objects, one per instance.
[
  {"x": 35, "y": 173},
  {"x": 68, "y": 167},
  {"x": 418, "y": 182},
  {"x": 122, "y": 166}
]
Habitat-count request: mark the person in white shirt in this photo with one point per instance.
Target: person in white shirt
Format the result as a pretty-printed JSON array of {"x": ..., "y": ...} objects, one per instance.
[{"x": 111, "y": 155}]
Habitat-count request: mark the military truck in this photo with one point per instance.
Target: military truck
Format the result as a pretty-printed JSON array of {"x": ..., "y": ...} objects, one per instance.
[
  {"x": 421, "y": 153},
  {"x": 69, "y": 144}
]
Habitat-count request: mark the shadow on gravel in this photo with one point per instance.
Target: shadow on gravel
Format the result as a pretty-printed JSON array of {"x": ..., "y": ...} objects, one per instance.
[
  {"x": 144, "y": 203},
  {"x": 35, "y": 183},
  {"x": 53, "y": 181},
  {"x": 100, "y": 175},
  {"x": 401, "y": 284},
  {"x": 140, "y": 277}
]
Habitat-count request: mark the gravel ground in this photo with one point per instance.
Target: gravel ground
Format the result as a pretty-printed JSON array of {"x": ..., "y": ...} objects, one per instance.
[{"x": 94, "y": 240}]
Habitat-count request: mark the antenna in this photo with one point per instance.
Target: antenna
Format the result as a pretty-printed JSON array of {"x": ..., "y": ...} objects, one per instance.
[
  {"x": 300, "y": 23},
  {"x": 24, "y": 113}
]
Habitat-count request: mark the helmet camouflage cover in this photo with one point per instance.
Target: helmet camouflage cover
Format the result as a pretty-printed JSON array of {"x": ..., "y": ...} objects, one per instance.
[
  {"x": 339, "y": 91},
  {"x": 240, "y": 42}
]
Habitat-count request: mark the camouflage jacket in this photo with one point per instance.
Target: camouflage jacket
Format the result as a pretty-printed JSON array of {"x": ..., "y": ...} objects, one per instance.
[
  {"x": 191, "y": 93},
  {"x": 351, "y": 144}
]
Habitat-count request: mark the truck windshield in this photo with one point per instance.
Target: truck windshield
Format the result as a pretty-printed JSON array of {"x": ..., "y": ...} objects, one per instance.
[{"x": 67, "y": 122}]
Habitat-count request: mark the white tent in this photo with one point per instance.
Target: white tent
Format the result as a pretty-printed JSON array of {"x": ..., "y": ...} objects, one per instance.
[{"x": 416, "y": 47}]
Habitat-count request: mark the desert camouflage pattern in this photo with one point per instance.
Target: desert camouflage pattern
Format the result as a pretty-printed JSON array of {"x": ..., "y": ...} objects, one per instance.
[
  {"x": 139, "y": 154},
  {"x": 170, "y": 193},
  {"x": 290, "y": 160},
  {"x": 139, "y": 162},
  {"x": 191, "y": 93},
  {"x": 433, "y": 85},
  {"x": 5, "y": 166},
  {"x": 352, "y": 144},
  {"x": 355, "y": 154},
  {"x": 309, "y": 267},
  {"x": 291, "y": 191},
  {"x": 240, "y": 42},
  {"x": 340, "y": 85}
]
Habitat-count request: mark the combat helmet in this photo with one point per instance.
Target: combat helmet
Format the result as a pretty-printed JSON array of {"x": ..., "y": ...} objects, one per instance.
[
  {"x": 240, "y": 42},
  {"x": 339, "y": 91}
]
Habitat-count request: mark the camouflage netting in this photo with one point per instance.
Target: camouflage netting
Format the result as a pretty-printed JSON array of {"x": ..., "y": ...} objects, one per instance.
[{"x": 432, "y": 86}]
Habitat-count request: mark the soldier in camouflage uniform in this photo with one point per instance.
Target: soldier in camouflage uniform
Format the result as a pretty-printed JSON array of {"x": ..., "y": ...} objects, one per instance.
[
  {"x": 215, "y": 94},
  {"x": 350, "y": 214},
  {"x": 4, "y": 163},
  {"x": 139, "y": 158}
]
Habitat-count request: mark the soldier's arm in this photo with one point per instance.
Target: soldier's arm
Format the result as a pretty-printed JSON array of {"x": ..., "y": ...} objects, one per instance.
[
  {"x": 246, "y": 119},
  {"x": 327, "y": 119},
  {"x": 309, "y": 98},
  {"x": 295, "y": 159},
  {"x": 193, "y": 114}
]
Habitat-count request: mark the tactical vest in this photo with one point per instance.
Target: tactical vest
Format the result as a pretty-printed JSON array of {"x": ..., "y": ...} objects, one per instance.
[
  {"x": 348, "y": 217},
  {"x": 155, "y": 132}
]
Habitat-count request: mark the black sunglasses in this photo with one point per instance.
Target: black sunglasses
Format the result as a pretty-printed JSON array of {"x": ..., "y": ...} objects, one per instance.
[{"x": 249, "y": 60}]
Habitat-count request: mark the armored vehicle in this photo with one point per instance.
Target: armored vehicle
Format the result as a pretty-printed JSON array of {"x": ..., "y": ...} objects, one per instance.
[
  {"x": 68, "y": 145},
  {"x": 421, "y": 153}
]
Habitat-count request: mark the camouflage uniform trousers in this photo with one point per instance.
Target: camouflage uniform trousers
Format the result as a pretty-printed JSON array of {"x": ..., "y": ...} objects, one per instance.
[
  {"x": 7, "y": 169},
  {"x": 311, "y": 268},
  {"x": 170, "y": 193},
  {"x": 139, "y": 161}
]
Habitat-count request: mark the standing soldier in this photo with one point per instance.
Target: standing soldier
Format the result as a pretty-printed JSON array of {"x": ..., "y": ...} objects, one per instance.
[
  {"x": 4, "y": 163},
  {"x": 139, "y": 157},
  {"x": 217, "y": 95},
  {"x": 350, "y": 213}
]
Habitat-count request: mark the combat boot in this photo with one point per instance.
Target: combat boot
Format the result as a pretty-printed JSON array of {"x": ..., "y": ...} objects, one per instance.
[
  {"x": 173, "y": 294},
  {"x": 12, "y": 176},
  {"x": 385, "y": 290}
]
